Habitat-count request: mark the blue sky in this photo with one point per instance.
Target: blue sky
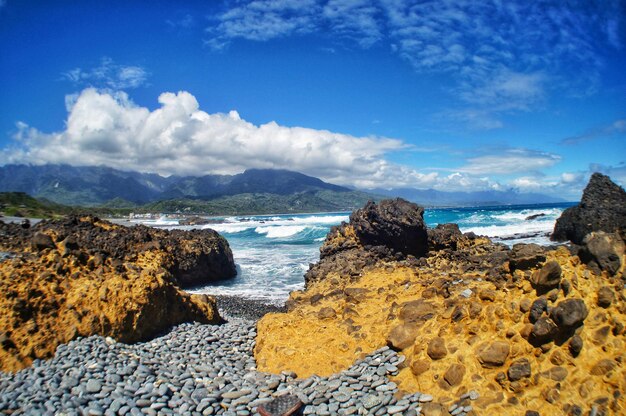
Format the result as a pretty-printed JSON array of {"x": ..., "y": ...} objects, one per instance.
[{"x": 451, "y": 95}]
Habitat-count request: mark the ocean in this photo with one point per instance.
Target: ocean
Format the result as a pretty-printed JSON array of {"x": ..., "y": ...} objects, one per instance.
[{"x": 273, "y": 252}]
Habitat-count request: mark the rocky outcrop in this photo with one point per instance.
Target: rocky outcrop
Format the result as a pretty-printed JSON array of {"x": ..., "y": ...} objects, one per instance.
[
  {"x": 532, "y": 328},
  {"x": 82, "y": 276},
  {"x": 597, "y": 226},
  {"x": 389, "y": 230},
  {"x": 602, "y": 208}
]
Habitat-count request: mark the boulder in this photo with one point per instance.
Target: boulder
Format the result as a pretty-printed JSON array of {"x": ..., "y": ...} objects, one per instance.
[
  {"x": 402, "y": 336},
  {"x": 393, "y": 229},
  {"x": 538, "y": 307},
  {"x": 454, "y": 374},
  {"x": 417, "y": 310},
  {"x": 494, "y": 354},
  {"x": 569, "y": 314},
  {"x": 575, "y": 345},
  {"x": 602, "y": 208},
  {"x": 543, "y": 331},
  {"x": 326, "y": 313},
  {"x": 526, "y": 256},
  {"x": 603, "y": 366},
  {"x": 444, "y": 236},
  {"x": 604, "y": 250},
  {"x": 547, "y": 278},
  {"x": 519, "y": 369},
  {"x": 419, "y": 367},
  {"x": 437, "y": 348},
  {"x": 393, "y": 223},
  {"x": 606, "y": 296},
  {"x": 41, "y": 241}
]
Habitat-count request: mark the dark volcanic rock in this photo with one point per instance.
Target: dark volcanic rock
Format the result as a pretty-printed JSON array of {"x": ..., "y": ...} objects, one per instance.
[
  {"x": 393, "y": 223},
  {"x": 519, "y": 369},
  {"x": 444, "y": 236},
  {"x": 547, "y": 278},
  {"x": 606, "y": 296},
  {"x": 526, "y": 256},
  {"x": 543, "y": 331},
  {"x": 604, "y": 250},
  {"x": 602, "y": 208},
  {"x": 576, "y": 345},
  {"x": 538, "y": 307},
  {"x": 569, "y": 313},
  {"x": 42, "y": 241},
  {"x": 392, "y": 230},
  {"x": 194, "y": 257}
]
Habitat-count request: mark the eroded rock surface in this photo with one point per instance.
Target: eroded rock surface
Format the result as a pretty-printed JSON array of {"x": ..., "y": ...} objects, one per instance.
[
  {"x": 391, "y": 229},
  {"x": 82, "y": 276},
  {"x": 532, "y": 328}
]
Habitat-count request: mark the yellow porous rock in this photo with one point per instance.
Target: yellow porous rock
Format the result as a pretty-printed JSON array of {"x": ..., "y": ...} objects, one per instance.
[
  {"x": 80, "y": 277},
  {"x": 467, "y": 319}
]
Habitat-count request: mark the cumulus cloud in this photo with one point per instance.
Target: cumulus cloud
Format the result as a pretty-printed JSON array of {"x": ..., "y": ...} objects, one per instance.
[
  {"x": 108, "y": 75},
  {"x": 107, "y": 128}
]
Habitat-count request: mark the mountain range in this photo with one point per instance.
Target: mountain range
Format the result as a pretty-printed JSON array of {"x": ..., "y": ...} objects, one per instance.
[{"x": 99, "y": 185}]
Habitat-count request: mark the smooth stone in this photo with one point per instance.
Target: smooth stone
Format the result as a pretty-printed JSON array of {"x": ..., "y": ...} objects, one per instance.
[{"x": 93, "y": 386}]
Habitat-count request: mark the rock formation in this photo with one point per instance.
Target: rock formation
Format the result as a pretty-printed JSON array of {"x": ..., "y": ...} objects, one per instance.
[
  {"x": 530, "y": 328},
  {"x": 392, "y": 229},
  {"x": 82, "y": 276},
  {"x": 602, "y": 208}
]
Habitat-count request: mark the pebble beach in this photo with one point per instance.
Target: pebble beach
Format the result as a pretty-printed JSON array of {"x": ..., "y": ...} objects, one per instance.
[{"x": 199, "y": 369}]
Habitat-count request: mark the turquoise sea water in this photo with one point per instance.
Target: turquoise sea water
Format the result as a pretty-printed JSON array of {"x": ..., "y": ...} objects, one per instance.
[{"x": 273, "y": 252}]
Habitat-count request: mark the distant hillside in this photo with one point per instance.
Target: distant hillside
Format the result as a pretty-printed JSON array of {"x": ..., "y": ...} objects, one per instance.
[
  {"x": 19, "y": 204},
  {"x": 253, "y": 191},
  {"x": 91, "y": 186},
  {"x": 431, "y": 197},
  {"x": 263, "y": 203}
]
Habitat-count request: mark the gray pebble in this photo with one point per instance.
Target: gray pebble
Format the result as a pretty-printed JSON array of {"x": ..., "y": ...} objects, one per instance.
[{"x": 193, "y": 370}]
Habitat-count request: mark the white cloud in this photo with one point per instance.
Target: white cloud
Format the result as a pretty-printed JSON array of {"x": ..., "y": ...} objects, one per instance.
[
  {"x": 179, "y": 138},
  {"x": 108, "y": 75},
  {"x": 354, "y": 19},
  {"x": 107, "y": 128},
  {"x": 504, "y": 56},
  {"x": 527, "y": 184},
  {"x": 617, "y": 127},
  {"x": 571, "y": 177},
  {"x": 510, "y": 161},
  {"x": 262, "y": 20}
]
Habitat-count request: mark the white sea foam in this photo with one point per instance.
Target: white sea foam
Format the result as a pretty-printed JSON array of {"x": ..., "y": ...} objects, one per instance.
[
  {"x": 511, "y": 216},
  {"x": 230, "y": 227},
  {"x": 275, "y": 227},
  {"x": 512, "y": 229},
  {"x": 160, "y": 222},
  {"x": 280, "y": 231}
]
